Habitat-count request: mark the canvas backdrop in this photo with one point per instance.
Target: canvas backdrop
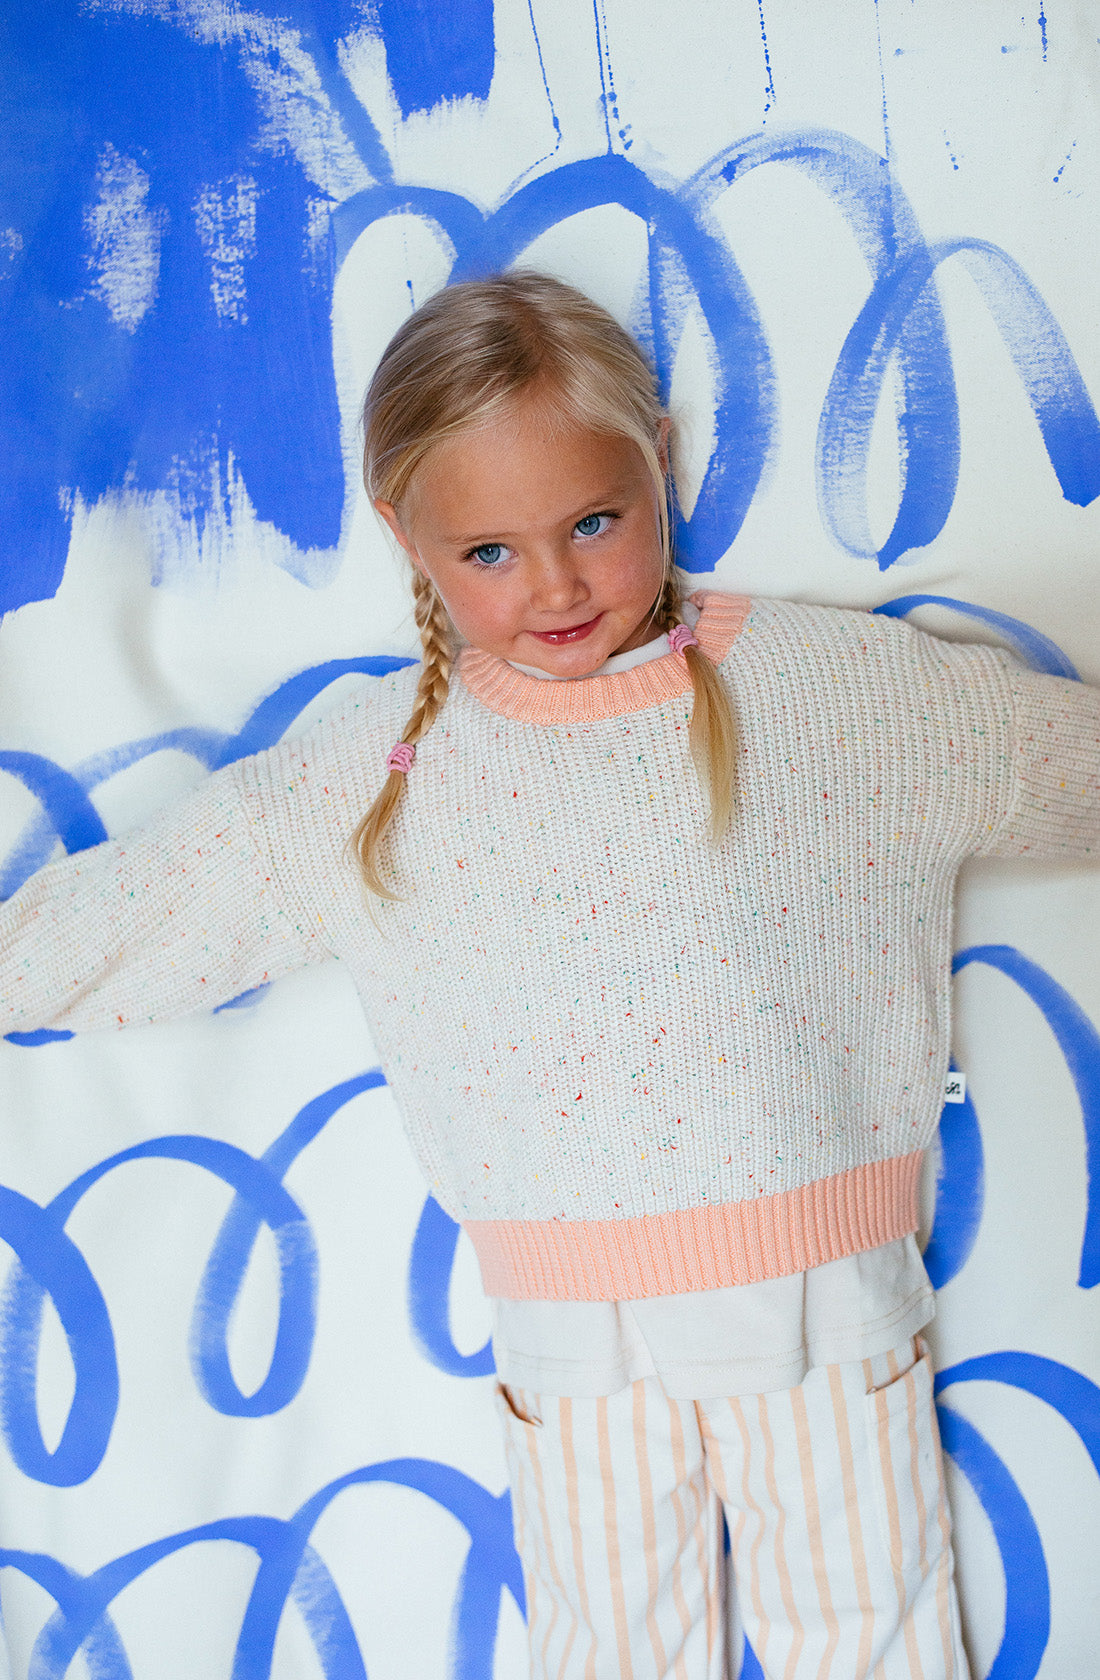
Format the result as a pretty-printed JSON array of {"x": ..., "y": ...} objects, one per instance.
[{"x": 245, "y": 1401}]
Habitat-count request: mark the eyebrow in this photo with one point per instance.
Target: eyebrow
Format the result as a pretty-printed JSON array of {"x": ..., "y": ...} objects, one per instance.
[{"x": 607, "y": 498}]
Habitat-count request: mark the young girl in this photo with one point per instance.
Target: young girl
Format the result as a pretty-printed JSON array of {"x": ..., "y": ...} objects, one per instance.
[{"x": 656, "y": 954}]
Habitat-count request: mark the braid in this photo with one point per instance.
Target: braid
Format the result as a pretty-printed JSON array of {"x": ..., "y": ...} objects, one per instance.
[
  {"x": 434, "y": 625},
  {"x": 669, "y": 606},
  {"x": 435, "y": 630},
  {"x": 712, "y": 737}
]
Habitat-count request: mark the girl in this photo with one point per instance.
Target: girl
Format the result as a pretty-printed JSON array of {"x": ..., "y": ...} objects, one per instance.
[{"x": 656, "y": 957}]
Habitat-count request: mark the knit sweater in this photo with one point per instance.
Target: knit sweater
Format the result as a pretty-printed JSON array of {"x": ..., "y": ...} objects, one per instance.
[{"x": 631, "y": 1062}]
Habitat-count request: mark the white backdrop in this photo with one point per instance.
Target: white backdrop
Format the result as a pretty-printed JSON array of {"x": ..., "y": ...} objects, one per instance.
[{"x": 245, "y": 1392}]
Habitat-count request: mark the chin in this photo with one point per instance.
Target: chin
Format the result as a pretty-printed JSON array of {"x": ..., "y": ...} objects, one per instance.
[{"x": 572, "y": 663}]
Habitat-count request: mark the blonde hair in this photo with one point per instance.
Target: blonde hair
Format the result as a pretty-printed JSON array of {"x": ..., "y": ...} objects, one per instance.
[{"x": 463, "y": 355}]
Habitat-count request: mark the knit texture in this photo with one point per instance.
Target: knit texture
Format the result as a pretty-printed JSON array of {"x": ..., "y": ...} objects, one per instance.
[{"x": 703, "y": 1064}]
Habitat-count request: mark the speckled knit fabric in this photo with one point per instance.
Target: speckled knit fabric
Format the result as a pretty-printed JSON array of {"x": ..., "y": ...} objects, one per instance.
[{"x": 629, "y": 1062}]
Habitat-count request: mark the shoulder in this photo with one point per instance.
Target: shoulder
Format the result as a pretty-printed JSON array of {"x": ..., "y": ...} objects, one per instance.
[
  {"x": 877, "y": 643},
  {"x": 336, "y": 750}
]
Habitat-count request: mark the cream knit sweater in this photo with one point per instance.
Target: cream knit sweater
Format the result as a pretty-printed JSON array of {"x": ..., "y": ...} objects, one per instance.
[{"x": 631, "y": 1063}]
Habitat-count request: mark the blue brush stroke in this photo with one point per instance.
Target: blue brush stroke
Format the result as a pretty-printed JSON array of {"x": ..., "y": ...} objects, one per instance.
[
  {"x": 1079, "y": 1043},
  {"x": 902, "y": 318},
  {"x": 32, "y": 1040},
  {"x": 321, "y": 26},
  {"x": 1071, "y": 1394},
  {"x": 81, "y": 1622},
  {"x": 882, "y": 222},
  {"x": 1044, "y": 364},
  {"x": 1027, "y": 1579},
  {"x": 960, "y": 1192},
  {"x": 71, "y": 814},
  {"x": 275, "y": 714},
  {"x": 536, "y": 164},
  {"x": 1033, "y": 647},
  {"x": 491, "y": 1566},
  {"x": 48, "y": 1263},
  {"x": 90, "y": 404},
  {"x": 1027, "y": 1585},
  {"x": 289, "y": 1568},
  {"x": 1043, "y": 361},
  {"x": 103, "y": 1649},
  {"x": 453, "y": 218},
  {"x": 223, "y": 1276},
  {"x": 431, "y": 1263},
  {"x": 437, "y": 50}
]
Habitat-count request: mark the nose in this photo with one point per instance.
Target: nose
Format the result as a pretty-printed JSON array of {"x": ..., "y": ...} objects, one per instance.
[{"x": 557, "y": 585}]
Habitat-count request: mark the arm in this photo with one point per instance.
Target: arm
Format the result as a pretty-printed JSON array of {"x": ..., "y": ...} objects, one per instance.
[
  {"x": 180, "y": 916},
  {"x": 1053, "y": 802}
]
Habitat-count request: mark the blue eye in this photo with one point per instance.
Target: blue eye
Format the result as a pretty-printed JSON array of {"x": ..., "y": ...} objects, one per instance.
[
  {"x": 591, "y": 525},
  {"x": 489, "y": 554}
]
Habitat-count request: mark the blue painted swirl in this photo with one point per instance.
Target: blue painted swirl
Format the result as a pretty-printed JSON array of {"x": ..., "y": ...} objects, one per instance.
[
  {"x": 48, "y": 1263},
  {"x": 1079, "y": 1043},
  {"x": 290, "y": 1570},
  {"x": 430, "y": 1265},
  {"x": 1027, "y": 1580},
  {"x": 224, "y": 1274}
]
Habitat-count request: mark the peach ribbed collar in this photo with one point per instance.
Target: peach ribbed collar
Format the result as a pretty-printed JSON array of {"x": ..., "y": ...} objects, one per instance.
[{"x": 512, "y": 694}]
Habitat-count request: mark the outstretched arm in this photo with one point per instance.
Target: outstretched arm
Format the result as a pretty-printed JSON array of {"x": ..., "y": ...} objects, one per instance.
[
  {"x": 180, "y": 916},
  {"x": 1053, "y": 808}
]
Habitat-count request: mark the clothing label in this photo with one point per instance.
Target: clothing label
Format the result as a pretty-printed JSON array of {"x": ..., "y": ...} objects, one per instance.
[{"x": 955, "y": 1088}]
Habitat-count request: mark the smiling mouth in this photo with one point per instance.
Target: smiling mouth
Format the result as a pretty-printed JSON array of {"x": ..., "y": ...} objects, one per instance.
[{"x": 560, "y": 638}]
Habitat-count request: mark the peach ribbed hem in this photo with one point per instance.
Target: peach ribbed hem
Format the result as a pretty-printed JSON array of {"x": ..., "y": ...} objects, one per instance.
[
  {"x": 699, "y": 1248},
  {"x": 513, "y": 694}
]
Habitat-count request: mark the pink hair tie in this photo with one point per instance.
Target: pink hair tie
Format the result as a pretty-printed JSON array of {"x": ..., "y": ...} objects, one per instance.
[
  {"x": 400, "y": 758},
  {"x": 680, "y": 637}
]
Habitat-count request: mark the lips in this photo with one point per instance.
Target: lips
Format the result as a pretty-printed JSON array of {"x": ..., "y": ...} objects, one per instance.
[{"x": 562, "y": 638}]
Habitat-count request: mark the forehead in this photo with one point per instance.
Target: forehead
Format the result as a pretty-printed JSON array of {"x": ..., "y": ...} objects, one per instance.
[{"x": 524, "y": 467}]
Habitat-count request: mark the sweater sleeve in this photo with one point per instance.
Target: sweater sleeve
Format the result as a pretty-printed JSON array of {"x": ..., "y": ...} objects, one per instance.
[
  {"x": 180, "y": 916},
  {"x": 1053, "y": 805}
]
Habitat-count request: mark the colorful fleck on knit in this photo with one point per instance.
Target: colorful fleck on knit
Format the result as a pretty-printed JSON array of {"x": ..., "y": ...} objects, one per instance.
[{"x": 630, "y": 1062}]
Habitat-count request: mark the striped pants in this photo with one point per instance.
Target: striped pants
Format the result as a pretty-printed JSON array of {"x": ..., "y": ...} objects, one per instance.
[{"x": 838, "y": 1526}]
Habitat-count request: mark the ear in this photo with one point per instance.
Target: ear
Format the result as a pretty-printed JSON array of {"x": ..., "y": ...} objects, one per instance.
[{"x": 387, "y": 511}]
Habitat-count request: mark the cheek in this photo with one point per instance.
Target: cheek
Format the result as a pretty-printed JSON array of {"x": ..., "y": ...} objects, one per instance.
[
  {"x": 648, "y": 570},
  {"x": 475, "y": 611}
]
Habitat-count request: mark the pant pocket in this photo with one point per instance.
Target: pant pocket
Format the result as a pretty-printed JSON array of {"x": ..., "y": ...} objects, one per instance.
[{"x": 906, "y": 1469}]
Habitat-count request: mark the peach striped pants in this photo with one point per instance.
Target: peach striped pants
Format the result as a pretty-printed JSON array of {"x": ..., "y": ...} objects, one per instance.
[{"x": 838, "y": 1523}]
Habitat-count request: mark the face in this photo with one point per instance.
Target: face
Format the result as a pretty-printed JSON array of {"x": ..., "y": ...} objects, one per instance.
[{"x": 542, "y": 539}]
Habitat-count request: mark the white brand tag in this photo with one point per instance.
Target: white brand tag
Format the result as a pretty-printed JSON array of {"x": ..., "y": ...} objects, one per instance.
[{"x": 955, "y": 1088}]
